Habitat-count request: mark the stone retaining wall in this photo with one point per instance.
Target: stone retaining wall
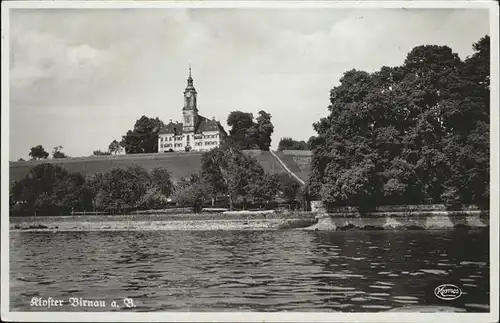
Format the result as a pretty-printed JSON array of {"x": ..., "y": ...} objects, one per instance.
[{"x": 426, "y": 220}]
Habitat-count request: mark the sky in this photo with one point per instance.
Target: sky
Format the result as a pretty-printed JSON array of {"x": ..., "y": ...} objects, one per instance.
[{"x": 82, "y": 77}]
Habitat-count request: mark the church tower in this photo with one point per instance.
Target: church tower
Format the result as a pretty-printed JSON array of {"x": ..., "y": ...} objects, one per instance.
[{"x": 190, "y": 111}]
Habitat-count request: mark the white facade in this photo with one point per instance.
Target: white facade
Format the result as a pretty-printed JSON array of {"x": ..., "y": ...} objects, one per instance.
[{"x": 197, "y": 142}]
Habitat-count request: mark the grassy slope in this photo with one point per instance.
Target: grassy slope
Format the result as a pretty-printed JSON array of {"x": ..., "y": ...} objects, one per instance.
[
  {"x": 180, "y": 164},
  {"x": 297, "y": 161}
]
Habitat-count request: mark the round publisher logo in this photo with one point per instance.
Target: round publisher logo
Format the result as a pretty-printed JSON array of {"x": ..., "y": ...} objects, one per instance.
[{"x": 447, "y": 292}]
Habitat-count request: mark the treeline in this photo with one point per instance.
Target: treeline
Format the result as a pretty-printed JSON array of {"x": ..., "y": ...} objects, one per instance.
[
  {"x": 38, "y": 152},
  {"x": 50, "y": 189},
  {"x": 288, "y": 143},
  {"x": 411, "y": 134},
  {"x": 226, "y": 175}
]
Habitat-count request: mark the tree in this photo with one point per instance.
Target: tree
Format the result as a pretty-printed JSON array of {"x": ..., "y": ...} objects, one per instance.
[
  {"x": 193, "y": 195},
  {"x": 415, "y": 133},
  {"x": 246, "y": 134},
  {"x": 57, "y": 153},
  {"x": 288, "y": 143},
  {"x": 211, "y": 173},
  {"x": 94, "y": 187},
  {"x": 115, "y": 147},
  {"x": 144, "y": 137},
  {"x": 38, "y": 152},
  {"x": 226, "y": 170},
  {"x": 311, "y": 143},
  {"x": 467, "y": 143},
  {"x": 101, "y": 153},
  {"x": 161, "y": 179},
  {"x": 240, "y": 123},
  {"x": 263, "y": 188},
  {"x": 264, "y": 130},
  {"x": 290, "y": 188},
  {"x": 123, "y": 188}
]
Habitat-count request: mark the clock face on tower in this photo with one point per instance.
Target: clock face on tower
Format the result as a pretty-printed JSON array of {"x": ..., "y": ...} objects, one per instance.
[
  {"x": 188, "y": 119},
  {"x": 188, "y": 95}
]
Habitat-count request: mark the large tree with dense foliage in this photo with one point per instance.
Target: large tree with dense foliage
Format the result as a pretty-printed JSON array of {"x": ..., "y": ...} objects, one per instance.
[
  {"x": 227, "y": 171},
  {"x": 416, "y": 133},
  {"x": 143, "y": 138},
  {"x": 240, "y": 123},
  {"x": 38, "y": 152},
  {"x": 247, "y": 134},
  {"x": 122, "y": 188},
  {"x": 211, "y": 173},
  {"x": 263, "y": 130}
]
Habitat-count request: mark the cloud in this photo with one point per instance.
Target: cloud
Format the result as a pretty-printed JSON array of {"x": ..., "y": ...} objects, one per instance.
[{"x": 81, "y": 78}]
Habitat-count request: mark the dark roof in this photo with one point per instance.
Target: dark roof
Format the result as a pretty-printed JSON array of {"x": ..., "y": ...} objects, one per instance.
[
  {"x": 172, "y": 128},
  {"x": 205, "y": 124},
  {"x": 202, "y": 125}
]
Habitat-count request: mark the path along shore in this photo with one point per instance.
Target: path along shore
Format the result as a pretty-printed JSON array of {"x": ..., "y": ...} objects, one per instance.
[{"x": 257, "y": 221}]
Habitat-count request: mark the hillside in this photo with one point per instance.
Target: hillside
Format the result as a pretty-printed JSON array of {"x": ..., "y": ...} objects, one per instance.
[
  {"x": 179, "y": 164},
  {"x": 298, "y": 161}
]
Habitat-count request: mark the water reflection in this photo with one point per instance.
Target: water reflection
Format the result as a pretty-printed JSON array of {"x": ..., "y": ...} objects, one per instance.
[{"x": 251, "y": 271}]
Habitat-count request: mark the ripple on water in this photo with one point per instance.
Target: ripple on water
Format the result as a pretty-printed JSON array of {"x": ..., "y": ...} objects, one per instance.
[
  {"x": 417, "y": 273},
  {"x": 380, "y": 286},
  {"x": 384, "y": 283},
  {"x": 338, "y": 288},
  {"x": 434, "y": 271},
  {"x": 378, "y": 294},
  {"x": 474, "y": 263},
  {"x": 405, "y": 299}
]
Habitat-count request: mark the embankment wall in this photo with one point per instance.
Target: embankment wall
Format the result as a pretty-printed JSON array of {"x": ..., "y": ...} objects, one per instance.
[{"x": 436, "y": 216}]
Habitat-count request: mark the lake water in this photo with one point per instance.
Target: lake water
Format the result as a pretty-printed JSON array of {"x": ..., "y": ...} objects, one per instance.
[{"x": 286, "y": 270}]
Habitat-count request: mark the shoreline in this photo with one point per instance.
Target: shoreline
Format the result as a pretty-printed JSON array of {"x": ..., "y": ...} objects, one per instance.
[{"x": 308, "y": 221}]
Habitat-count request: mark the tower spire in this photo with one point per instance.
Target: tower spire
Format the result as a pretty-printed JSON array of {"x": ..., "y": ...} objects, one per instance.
[{"x": 190, "y": 79}]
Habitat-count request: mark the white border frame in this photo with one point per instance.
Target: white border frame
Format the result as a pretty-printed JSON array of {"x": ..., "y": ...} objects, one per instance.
[{"x": 492, "y": 316}]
